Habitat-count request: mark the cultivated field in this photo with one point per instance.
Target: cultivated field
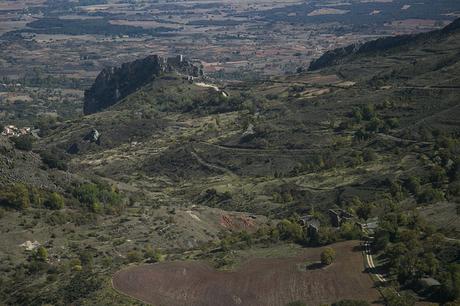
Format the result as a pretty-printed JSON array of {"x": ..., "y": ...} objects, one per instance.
[{"x": 258, "y": 281}]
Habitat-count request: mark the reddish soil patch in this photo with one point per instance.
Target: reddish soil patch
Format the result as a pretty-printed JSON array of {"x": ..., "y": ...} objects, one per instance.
[{"x": 261, "y": 281}]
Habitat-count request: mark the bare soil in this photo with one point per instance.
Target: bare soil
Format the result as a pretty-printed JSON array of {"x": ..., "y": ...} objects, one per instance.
[{"x": 259, "y": 281}]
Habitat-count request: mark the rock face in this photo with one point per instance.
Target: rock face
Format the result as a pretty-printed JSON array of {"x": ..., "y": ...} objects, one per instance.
[
  {"x": 93, "y": 136},
  {"x": 115, "y": 83}
]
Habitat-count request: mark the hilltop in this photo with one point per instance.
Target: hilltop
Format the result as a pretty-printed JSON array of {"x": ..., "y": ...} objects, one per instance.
[{"x": 115, "y": 83}]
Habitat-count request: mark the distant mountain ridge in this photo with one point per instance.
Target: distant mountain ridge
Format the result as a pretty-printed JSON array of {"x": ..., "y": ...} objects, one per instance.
[
  {"x": 339, "y": 55},
  {"x": 115, "y": 83}
]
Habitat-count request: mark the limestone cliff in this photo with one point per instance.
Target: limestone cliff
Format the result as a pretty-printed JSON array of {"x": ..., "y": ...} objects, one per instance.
[{"x": 115, "y": 83}]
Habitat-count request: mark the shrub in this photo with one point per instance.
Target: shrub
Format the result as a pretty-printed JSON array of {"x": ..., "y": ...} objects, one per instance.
[
  {"x": 152, "y": 255},
  {"x": 289, "y": 230},
  {"x": 24, "y": 143},
  {"x": 364, "y": 211},
  {"x": 357, "y": 114},
  {"x": 374, "y": 125},
  {"x": 15, "y": 196},
  {"x": 54, "y": 201},
  {"x": 98, "y": 197},
  {"x": 41, "y": 253},
  {"x": 392, "y": 123},
  {"x": 368, "y": 112},
  {"x": 134, "y": 256},
  {"x": 328, "y": 256},
  {"x": 412, "y": 184},
  {"x": 54, "y": 160},
  {"x": 369, "y": 155},
  {"x": 430, "y": 195},
  {"x": 437, "y": 176},
  {"x": 80, "y": 286}
]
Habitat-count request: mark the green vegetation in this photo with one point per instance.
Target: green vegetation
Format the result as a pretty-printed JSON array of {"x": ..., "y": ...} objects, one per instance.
[
  {"x": 328, "y": 256},
  {"x": 15, "y": 196},
  {"x": 54, "y": 159},
  {"x": 351, "y": 303},
  {"x": 210, "y": 177},
  {"x": 99, "y": 198},
  {"x": 23, "y": 142},
  {"x": 54, "y": 201}
]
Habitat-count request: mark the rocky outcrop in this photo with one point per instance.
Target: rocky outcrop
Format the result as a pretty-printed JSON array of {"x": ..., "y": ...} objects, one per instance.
[
  {"x": 93, "y": 136},
  {"x": 115, "y": 83}
]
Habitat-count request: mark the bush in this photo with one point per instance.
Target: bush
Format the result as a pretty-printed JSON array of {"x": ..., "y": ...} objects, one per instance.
[
  {"x": 328, "y": 256},
  {"x": 289, "y": 230},
  {"x": 98, "y": 197},
  {"x": 15, "y": 196},
  {"x": 368, "y": 112},
  {"x": 134, "y": 256},
  {"x": 374, "y": 125},
  {"x": 437, "y": 176},
  {"x": 24, "y": 143},
  {"x": 430, "y": 195},
  {"x": 152, "y": 255},
  {"x": 54, "y": 201},
  {"x": 392, "y": 123},
  {"x": 369, "y": 155},
  {"x": 80, "y": 286},
  {"x": 54, "y": 160},
  {"x": 41, "y": 254},
  {"x": 412, "y": 184}
]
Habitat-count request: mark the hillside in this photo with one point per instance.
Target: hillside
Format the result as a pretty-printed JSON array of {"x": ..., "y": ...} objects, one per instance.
[
  {"x": 164, "y": 167},
  {"x": 386, "y": 46}
]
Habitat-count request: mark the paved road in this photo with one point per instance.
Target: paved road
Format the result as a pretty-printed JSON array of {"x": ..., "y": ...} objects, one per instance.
[{"x": 370, "y": 262}]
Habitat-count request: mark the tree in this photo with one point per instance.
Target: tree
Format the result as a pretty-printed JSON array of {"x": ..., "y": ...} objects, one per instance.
[
  {"x": 54, "y": 160},
  {"x": 364, "y": 211},
  {"x": 15, "y": 196},
  {"x": 450, "y": 283},
  {"x": 328, "y": 256},
  {"x": 55, "y": 201},
  {"x": 289, "y": 230},
  {"x": 394, "y": 299},
  {"x": 412, "y": 184},
  {"x": 24, "y": 142}
]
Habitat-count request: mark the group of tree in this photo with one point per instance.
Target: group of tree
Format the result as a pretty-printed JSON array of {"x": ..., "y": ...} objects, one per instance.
[
  {"x": 18, "y": 196},
  {"x": 414, "y": 250},
  {"x": 23, "y": 142},
  {"x": 99, "y": 197},
  {"x": 54, "y": 159}
]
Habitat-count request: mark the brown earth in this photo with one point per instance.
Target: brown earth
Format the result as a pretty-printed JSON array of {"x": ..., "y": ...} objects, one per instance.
[{"x": 259, "y": 281}]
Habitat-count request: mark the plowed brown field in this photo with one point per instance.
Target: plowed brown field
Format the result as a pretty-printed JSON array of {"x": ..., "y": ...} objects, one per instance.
[{"x": 259, "y": 281}]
